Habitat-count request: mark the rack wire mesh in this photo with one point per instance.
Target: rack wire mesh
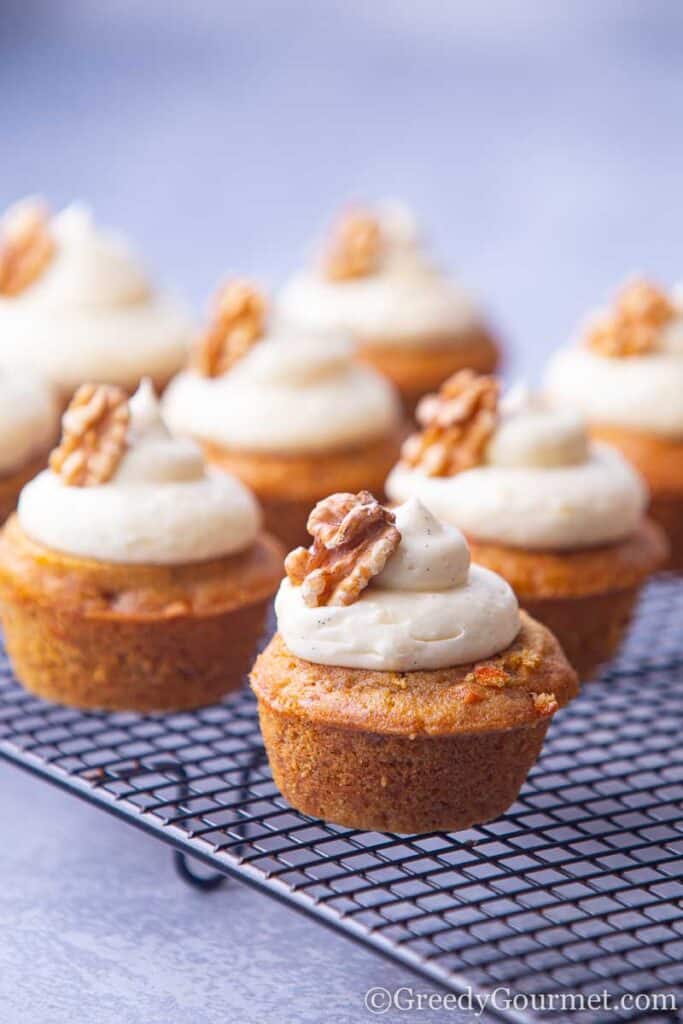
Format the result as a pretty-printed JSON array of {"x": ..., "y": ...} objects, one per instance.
[{"x": 578, "y": 888}]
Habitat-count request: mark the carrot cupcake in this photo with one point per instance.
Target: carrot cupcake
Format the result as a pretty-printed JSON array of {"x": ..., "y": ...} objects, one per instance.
[
  {"x": 403, "y": 691},
  {"x": 290, "y": 415},
  {"x": 626, "y": 377},
  {"x": 75, "y": 302},
  {"x": 130, "y": 578},
  {"x": 561, "y": 519},
  {"x": 29, "y": 424},
  {"x": 410, "y": 321}
]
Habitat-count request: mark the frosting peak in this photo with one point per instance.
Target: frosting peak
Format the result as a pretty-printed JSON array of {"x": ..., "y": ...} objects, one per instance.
[
  {"x": 539, "y": 485},
  {"x": 90, "y": 267},
  {"x": 430, "y": 556},
  {"x": 401, "y": 300},
  {"x": 159, "y": 507},
  {"x": 91, "y": 314},
  {"x": 290, "y": 393},
  {"x": 427, "y": 609},
  {"x": 153, "y": 455}
]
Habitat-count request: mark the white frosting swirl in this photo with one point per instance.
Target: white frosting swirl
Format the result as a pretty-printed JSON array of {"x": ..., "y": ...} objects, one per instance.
[
  {"x": 406, "y": 302},
  {"x": 428, "y": 609},
  {"x": 91, "y": 314},
  {"x": 29, "y": 418},
  {"x": 637, "y": 392},
  {"x": 161, "y": 507},
  {"x": 542, "y": 487},
  {"x": 290, "y": 395}
]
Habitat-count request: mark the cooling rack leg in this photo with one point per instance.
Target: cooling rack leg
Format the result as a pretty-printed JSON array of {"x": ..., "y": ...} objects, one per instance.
[{"x": 204, "y": 882}]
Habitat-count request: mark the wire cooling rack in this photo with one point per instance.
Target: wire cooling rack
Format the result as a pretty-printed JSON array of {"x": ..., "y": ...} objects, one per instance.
[{"x": 578, "y": 888}]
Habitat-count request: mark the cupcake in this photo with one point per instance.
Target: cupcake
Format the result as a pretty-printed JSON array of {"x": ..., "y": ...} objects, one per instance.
[
  {"x": 29, "y": 424},
  {"x": 403, "y": 691},
  {"x": 75, "y": 302},
  {"x": 291, "y": 415},
  {"x": 626, "y": 377},
  {"x": 409, "y": 320},
  {"x": 130, "y": 578},
  {"x": 560, "y": 518}
]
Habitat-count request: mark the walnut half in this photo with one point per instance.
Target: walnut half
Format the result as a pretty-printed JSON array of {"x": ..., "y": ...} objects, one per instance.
[
  {"x": 26, "y": 246},
  {"x": 237, "y": 322},
  {"x": 354, "y": 248},
  {"x": 353, "y": 537},
  {"x": 633, "y": 327},
  {"x": 457, "y": 425},
  {"x": 94, "y": 429}
]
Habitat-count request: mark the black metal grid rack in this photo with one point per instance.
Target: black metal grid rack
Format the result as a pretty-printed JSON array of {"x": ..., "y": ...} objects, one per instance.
[{"x": 578, "y": 887}]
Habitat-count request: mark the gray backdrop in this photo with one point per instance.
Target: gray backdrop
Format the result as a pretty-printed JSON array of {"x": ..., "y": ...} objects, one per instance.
[{"x": 541, "y": 143}]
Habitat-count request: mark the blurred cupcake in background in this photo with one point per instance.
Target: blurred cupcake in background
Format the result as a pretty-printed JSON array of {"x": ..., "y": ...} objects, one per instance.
[
  {"x": 410, "y": 321},
  {"x": 29, "y": 424},
  {"x": 75, "y": 302},
  {"x": 626, "y": 376},
  {"x": 287, "y": 412},
  {"x": 561, "y": 519}
]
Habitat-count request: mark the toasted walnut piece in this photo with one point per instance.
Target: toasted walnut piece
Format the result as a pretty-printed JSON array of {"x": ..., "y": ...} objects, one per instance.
[
  {"x": 355, "y": 247},
  {"x": 26, "y": 246},
  {"x": 633, "y": 327},
  {"x": 238, "y": 321},
  {"x": 457, "y": 425},
  {"x": 353, "y": 537},
  {"x": 94, "y": 431},
  {"x": 545, "y": 704},
  {"x": 494, "y": 676}
]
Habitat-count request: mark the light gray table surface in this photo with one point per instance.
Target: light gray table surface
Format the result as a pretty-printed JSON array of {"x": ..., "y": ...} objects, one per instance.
[{"x": 541, "y": 144}]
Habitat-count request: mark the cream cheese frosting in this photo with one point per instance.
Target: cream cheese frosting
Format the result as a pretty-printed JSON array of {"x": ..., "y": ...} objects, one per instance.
[
  {"x": 91, "y": 314},
  {"x": 542, "y": 486},
  {"x": 427, "y": 609},
  {"x": 29, "y": 418},
  {"x": 407, "y": 301},
  {"x": 643, "y": 392},
  {"x": 288, "y": 394},
  {"x": 161, "y": 507}
]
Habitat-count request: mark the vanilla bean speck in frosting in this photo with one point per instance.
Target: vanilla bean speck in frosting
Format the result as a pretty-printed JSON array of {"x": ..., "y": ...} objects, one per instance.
[
  {"x": 90, "y": 312},
  {"x": 288, "y": 394},
  {"x": 160, "y": 506},
  {"x": 539, "y": 484},
  {"x": 428, "y": 608},
  {"x": 401, "y": 299}
]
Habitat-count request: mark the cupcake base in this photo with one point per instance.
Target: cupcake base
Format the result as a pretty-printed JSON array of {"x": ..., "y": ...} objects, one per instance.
[
  {"x": 416, "y": 370},
  {"x": 132, "y": 637},
  {"x": 584, "y": 597},
  {"x": 660, "y": 461},
  {"x": 288, "y": 486},
  {"x": 413, "y": 751}
]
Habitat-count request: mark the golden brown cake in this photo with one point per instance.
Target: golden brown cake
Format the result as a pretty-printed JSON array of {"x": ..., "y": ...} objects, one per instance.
[
  {"x": 385, "y": 705},
  {"x": 562, "y": 520},
  {"x": 410, "y": 321},
  {"x": 626, "y": 376},
  {"x": 130, "y": 579},
  {"x": 76, "y": 304},
  {"x": 292, "y": 416}
]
